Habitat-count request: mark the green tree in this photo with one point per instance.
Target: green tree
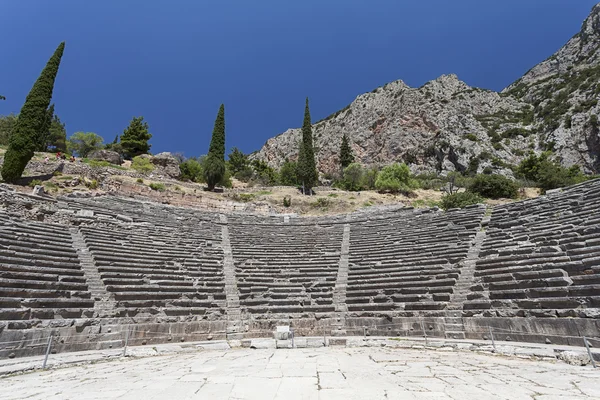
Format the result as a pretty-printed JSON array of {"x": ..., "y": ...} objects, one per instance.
[
  {"x": 263, "y": 173},
  {"x": 134, "y": 139},
  {"x": 307, "y": 169},
  {"x": 494, "y": 186},
  {"x": 346, "y": 156},
  {"x": 287, "y": 174},
  {"x": 83, "y": 143},
  {"x": 214, "y": 166},
  {"x": 7, "y": 123},
  {"x": 238, "y": 161},
  {"x": 44, "y": 134},
  {"x": 192, "y": 170},
  {"x": 2, "y": 97},
  {"x": 25, "y": 135},
  {"x": 57, "y": 135},
  {"x": 395, "y": 178},
  {"x": 353, "y": 178}
]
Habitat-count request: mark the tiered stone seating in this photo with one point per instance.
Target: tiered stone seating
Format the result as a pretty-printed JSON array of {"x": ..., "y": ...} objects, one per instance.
[
  {"x": 158, "y": 270},
  {"x": 40, "y": 273},
  {"x": 407, "y": 261},
  {"x": 542, "y": 257},
  {"x": 285, "y": 268}
]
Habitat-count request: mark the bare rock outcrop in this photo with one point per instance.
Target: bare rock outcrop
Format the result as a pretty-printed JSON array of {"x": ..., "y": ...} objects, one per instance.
[
  {"x": 168, "y": 163},
  {"x": 106, "y": 155}
]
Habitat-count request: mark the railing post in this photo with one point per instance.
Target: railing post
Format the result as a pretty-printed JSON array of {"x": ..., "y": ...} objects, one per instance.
[
  {"x": 492, "y": 337},
  {"x": 365, "y": 332},
  {"x": 424, "y": 333},
  {"x": 126, "y": 341},
  {"x": 587, "y": 346},
  {"x": 47, "y": 351}
]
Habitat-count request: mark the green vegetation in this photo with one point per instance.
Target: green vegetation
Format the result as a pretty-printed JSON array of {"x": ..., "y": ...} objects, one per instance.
[
  {"x": 288, "y": 174},
  {"x": 395, "y": 178},
  {"x": 548, "y": 174},
  {"x": 140, "y": 180},
  {"x": 192, "y": 170},
  {"x": 142, "y": 164},
  {"x": 101, "y": 163},
  {"x": 134, "y": 140},
  {"x": 244, "y": 197},
  {"x": 306, "y": 168},
  {"x": 346, "y": 156},
  {"x": 352, "y": 178},
  {"x": 472, "y": 137},
  {"x": 7, "y": 123},
  {"x": 25, "y": 134},
  {"x": 238, "y": 165},
  {"x": 82, "y": 143},
  {"x": 460, "y": 200},
  {"x": 494, "y": 187},
  {"x": 322, "y": 203},
  {"x": 157, "y": 186},
  {"x": 34, "y": 183},
  {"x": 214, "y": 166},
  {"x": 287, "y": 201}
]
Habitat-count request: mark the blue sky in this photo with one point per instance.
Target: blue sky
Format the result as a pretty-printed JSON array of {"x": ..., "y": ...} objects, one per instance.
[{"x": 174, "y": 62}]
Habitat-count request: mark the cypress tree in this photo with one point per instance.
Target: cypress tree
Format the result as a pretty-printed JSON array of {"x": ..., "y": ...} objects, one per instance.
[
  {"x": 44, "y": 135},
  {"x": 214, "y": 166},
  {"x": 346, "y": 156},
  {"x": 25, "y": 137},
  {"x": 306, "y": 169},
  {"x": 135, "y": 138}
]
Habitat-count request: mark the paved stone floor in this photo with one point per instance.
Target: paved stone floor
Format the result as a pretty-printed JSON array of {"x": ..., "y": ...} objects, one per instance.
[{"x": 319, "y": 373}]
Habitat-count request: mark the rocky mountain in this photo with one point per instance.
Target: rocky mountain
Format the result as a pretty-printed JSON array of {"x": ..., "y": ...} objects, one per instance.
[{"x": 446, "y": 125}]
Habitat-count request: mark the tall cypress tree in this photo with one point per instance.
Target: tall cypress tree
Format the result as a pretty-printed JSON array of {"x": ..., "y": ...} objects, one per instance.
[
  {"x": 214, "y": 165},
  {"x": 346, "y": 156},
  {"x": 25, "y": 137},
  {"x": 306, "y": 169}
]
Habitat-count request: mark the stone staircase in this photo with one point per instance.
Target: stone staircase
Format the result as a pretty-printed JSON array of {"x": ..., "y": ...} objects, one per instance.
[
  {"x": 341, "y": 284},
  {"x": 234, "y": 313},
  {"x": 453, "y": 321},
  {"x": 104, "y": 303}
]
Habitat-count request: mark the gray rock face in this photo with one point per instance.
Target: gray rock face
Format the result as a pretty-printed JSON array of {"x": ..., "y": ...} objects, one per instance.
[
  {"x": 106, "y": 155},
  {"x": 446, "y": 125},
  {"x": 168, "y": 163},
  {"x": 439, "y": 126}
]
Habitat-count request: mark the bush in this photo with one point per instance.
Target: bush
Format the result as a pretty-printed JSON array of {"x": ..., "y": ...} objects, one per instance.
[
  {"x": 287, "y": 201},
  {"x": 84, "y": 143},
  {"x": 548, "y": 174},
  {"x": 460, "y": 200},
  {"x": 352, "y": 178},
  {"x": 157, "y": 186},
  {"x": 93, "y": 184},
  {"x": 395, "y": 178},
  {"x": 139, "y": 180},
  {"x": 35, "y": 182},
  {"x": 494, "y": 186},
  {"x": 191, "y": 170},
  {"x": 142, "y": 164},
  {"x": 472, "y": 137},
  {"x": 287, "y": 174}
]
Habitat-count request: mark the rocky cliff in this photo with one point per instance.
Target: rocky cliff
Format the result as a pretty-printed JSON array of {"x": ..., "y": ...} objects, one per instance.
[{"x": 446, "y": 125}]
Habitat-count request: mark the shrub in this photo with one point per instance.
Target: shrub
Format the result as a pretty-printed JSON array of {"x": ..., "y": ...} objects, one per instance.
[
  {"x": 191, "y": 170},
  {"x": 142, "y": 164},
  {"x": 395, "y": 178},
  {"x": 139, "y": 180},
  {"x": 494, "y": 186},
  {"x": 287, "y": 201},
  {"x": 352, "y": 179},
  {"x": 157, "y": 186},
  {"x": 98, "y": 163},
  {"x": 472, "y": 137},
  {"x": 322, "y": 202},
  {"x": 83, "y": 143},
  {"x": 460, "y": 200},
  {"x": 35, "y": 182},
  {"x": 244, "y": 197},
  {"x": 93, "y": 184},
  {"x": 287, "y": 174}
]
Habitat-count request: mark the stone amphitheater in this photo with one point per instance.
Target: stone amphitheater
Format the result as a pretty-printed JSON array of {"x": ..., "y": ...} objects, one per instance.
[{"x": 89, "y": 270}]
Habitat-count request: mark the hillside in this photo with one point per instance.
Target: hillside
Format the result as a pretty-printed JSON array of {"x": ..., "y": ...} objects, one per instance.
[{"x": 447, "y": 125}]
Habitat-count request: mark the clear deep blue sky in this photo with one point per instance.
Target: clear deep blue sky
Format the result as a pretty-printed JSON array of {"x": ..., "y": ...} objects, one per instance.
[{"x": 175, "y": 61}]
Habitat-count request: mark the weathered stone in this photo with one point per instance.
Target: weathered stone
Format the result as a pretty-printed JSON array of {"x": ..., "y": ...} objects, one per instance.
[
  {"x": 168, "y": 163},
  {"x": 106, "y": 155}
]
